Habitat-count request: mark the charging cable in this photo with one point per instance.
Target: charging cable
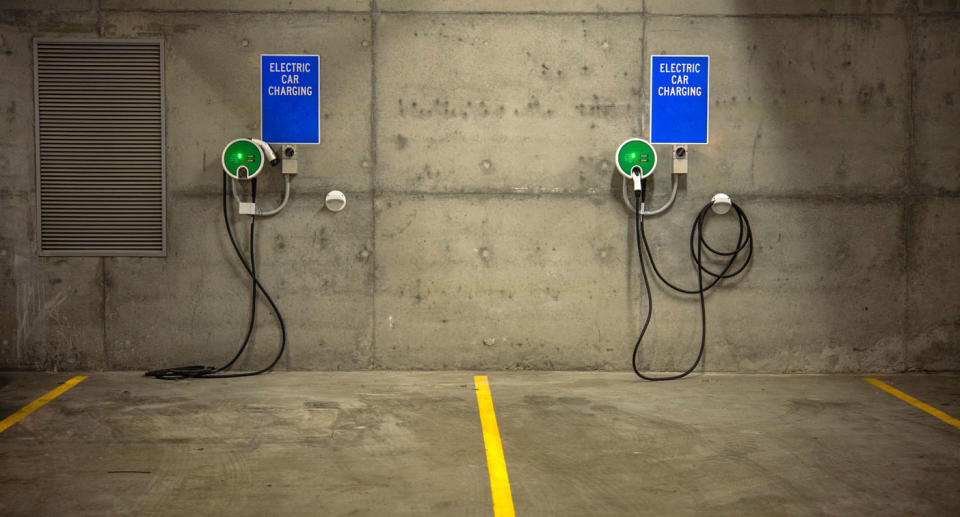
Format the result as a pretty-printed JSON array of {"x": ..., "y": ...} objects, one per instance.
[
  {"x": 210, "y": 372},
  {"x": 697, "y": 246}
]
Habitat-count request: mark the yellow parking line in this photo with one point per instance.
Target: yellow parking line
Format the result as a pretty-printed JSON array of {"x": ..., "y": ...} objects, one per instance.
[
  {"x": 499, "y": 482},
  {"x": 914, "y": 402},
  {"x": 40, "y": 402}
]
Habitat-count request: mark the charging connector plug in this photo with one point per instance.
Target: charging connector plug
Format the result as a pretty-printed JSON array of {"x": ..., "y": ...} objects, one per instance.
[
  {"x": 639, "y": 188},
  {"x": 267, "y": 150},
  {"x": 639, "y": 182}
]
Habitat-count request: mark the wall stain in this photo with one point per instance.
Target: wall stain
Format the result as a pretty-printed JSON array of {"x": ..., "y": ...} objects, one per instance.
[
  {"x": 320, "y": 238},
  {"x": 45, "y": 338}
]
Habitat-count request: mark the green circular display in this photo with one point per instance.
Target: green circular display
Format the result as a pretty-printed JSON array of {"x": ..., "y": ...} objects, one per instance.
[
  {"x": 636, "y": 152},
  {"x": 242, "y": 159}
]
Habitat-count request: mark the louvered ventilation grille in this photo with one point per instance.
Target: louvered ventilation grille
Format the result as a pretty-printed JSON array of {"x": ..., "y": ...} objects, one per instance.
[{"x": 100, "y": 147}]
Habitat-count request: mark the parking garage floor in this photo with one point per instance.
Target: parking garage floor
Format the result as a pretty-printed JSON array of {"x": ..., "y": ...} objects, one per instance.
[{"x": 412, "y": 443}]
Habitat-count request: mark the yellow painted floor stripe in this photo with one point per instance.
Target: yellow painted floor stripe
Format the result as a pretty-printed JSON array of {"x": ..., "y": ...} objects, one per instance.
[
  {"x": 499, "y": 482},
  {"x": 40, "y": 402},
  {"x": 914, "y": 402}
]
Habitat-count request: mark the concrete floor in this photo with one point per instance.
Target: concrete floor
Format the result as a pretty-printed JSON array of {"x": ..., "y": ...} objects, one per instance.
[{"x": 409, "y": 443}]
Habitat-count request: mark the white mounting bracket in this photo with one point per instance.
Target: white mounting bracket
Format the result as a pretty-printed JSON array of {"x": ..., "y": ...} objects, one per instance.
[{"x": 720, "y": 203}]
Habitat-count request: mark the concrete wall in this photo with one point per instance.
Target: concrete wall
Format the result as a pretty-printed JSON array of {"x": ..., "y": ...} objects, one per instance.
[{"x": 484, "y": 227}]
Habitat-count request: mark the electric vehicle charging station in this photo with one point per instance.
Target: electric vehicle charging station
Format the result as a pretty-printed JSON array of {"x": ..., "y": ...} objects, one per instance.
[
  {"x": 679, "y": 116},
  {"x": 289, "y": 115},
  {"x": 243, "y": 160},
  {"x": 636, "y": 160}
]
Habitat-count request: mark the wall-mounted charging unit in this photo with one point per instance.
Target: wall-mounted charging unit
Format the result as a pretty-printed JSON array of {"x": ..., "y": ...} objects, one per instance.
[
  {"x": 242, "y": 159},
  {"x": 636, "y": 158}
]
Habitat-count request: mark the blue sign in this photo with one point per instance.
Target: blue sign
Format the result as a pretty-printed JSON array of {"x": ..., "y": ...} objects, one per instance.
[
  {"x": 679, "y": 99},
  {"x": 290, "y": 99}
]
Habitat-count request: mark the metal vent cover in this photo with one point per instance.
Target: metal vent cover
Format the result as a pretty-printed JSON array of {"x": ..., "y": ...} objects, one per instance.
[{"x": 100, "y": 147}]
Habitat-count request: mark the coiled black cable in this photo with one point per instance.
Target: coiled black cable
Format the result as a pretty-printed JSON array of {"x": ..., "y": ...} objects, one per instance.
[
  {"x": 744, "y": 242},
  {"x": 210, "y": 372}
]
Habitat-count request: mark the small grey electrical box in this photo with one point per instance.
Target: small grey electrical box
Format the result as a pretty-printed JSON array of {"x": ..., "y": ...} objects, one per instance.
[
  {"x": 680, "y": 159},
  {"x": 289, "y": 160}
]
